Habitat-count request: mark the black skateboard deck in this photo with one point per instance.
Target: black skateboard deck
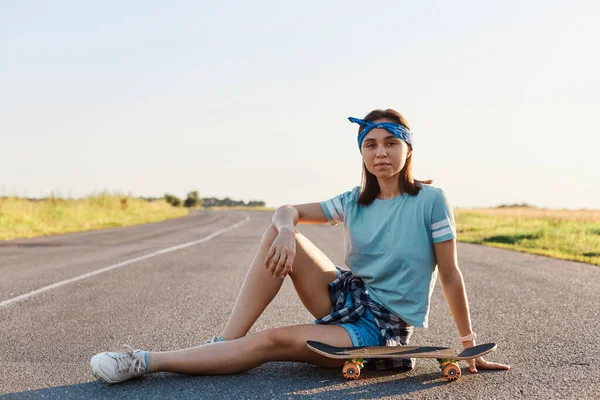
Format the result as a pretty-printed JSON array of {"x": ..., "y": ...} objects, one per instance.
[{"x": 447, "y": 357}]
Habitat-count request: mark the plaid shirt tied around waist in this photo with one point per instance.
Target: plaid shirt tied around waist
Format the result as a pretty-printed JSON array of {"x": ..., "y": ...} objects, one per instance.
[{"x": 395, "y": 331}]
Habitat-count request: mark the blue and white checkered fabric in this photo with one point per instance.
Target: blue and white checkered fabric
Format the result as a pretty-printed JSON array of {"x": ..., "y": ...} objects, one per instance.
[{"x": 395, "y": 331}]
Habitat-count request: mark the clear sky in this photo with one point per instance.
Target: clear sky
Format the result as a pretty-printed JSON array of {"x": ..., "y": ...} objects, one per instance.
[{"x": 250, "y": 99}]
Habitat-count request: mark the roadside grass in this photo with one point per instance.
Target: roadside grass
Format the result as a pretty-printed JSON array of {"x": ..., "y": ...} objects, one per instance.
[
  {"x": 22, "y": 218},
  {"x": 565, "y": 234}
]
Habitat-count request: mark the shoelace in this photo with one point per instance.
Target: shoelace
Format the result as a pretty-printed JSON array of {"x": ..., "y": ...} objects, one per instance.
[{"x": 123, "y": 362}]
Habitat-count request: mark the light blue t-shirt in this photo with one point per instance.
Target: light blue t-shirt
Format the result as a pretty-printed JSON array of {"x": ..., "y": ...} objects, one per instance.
[{"x": 389, "y": 245}]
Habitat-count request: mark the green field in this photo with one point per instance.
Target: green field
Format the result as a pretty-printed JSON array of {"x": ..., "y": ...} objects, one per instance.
[
  {"x": 570, "y": 235},
  {"x": 22, "y": 218},
  {"x": 566, "y": 234}
]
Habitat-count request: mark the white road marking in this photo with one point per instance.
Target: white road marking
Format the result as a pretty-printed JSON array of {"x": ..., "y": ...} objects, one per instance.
[{"x": 121, "y": 264}]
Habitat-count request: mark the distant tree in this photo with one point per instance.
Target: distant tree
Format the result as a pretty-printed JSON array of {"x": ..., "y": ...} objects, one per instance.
[
  {"x": 253, "y": 203},
  {"x": 208, "y": 202},
  {"x": 192, "y": 199},
  {"x": 522, "y": 205},
  {"x": 173, "y": 200}
]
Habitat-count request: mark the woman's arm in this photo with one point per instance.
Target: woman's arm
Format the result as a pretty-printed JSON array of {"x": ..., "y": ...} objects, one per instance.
[
  {"x": 456, "y": 296},
  {"x": 453, "y": 285},
  {"x": 289, "y": 216},
  {"x": 281, "y": 255}
]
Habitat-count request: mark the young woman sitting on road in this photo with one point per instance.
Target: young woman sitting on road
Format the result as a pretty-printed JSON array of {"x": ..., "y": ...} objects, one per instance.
[{"x": 399, "y": 233}]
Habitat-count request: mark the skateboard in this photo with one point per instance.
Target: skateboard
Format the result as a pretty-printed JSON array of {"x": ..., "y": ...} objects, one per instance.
[{"x": 354, "y": 356}]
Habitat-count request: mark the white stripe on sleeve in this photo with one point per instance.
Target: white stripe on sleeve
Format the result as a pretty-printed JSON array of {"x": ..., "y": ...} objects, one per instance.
[
  {"x": 338, "y": 206},
  {"x": 332, "y": 211},
  {"x": 443, "y": 232},
  {"x": 440, "y": 224}
]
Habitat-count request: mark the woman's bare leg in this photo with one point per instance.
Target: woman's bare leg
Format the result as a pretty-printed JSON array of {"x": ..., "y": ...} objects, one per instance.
[
  {"x": 234, "y": 356},
  {"x": 312, "y": 273}
]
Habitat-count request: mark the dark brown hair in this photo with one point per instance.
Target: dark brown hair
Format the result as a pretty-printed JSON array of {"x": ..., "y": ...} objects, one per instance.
[{"x": 369, "y": 189}]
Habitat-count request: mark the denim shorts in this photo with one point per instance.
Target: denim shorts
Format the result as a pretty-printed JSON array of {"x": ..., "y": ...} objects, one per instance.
[{"x": 364, "y": 332}]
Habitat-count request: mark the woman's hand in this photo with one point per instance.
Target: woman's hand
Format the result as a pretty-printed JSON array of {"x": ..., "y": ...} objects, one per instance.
[
  {"x": 480, "y": 363},
  {"x": 281, "y": 255}
]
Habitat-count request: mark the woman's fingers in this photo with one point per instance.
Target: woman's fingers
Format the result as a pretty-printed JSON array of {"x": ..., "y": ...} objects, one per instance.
[
  {"x": 269, "y": 256},
  {"x": 278, "y": 270},
  {"x": 274, "y": 261},
  {"x": 286, "y": 268},
  {"x": 480, "y": 363},
  {"x": 483, "y": 364},
  {"x": 289, "y": 263},
  {"x": 472, "y": 366},
  {"x": 279, "y": 260}
]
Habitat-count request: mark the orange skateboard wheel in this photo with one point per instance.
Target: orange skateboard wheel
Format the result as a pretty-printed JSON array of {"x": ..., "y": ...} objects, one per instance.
[
  {"x": 351, "y": 371},
  {"x": 452, "y": 372}
]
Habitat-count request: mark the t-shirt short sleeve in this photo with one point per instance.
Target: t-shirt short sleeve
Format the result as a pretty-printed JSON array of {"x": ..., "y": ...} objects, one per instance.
[
  {"x": 335, "y": 207},
  {"x": 443, "y": 226}
]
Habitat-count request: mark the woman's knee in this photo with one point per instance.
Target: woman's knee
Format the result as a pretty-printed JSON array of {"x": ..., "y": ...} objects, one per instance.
[
  {"x": 276, "y": 338},
  {"x": 269, "y": 236}
]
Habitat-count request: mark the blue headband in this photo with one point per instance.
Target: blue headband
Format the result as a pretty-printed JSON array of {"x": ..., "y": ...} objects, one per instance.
[{"x": 400, "y": 131}]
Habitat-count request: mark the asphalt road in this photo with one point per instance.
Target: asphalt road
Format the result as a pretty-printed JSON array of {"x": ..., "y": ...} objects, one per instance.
[{"x": 542, "y": 313}]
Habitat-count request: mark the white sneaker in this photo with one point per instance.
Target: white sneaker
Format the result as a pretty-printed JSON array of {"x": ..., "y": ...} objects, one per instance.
[
  {"x": 113, "y": 367},
  {"x": 215, "y": 339}
]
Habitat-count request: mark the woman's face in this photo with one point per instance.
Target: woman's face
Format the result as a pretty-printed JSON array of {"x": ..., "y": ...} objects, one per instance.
[{"x": 384, "y": 154}]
